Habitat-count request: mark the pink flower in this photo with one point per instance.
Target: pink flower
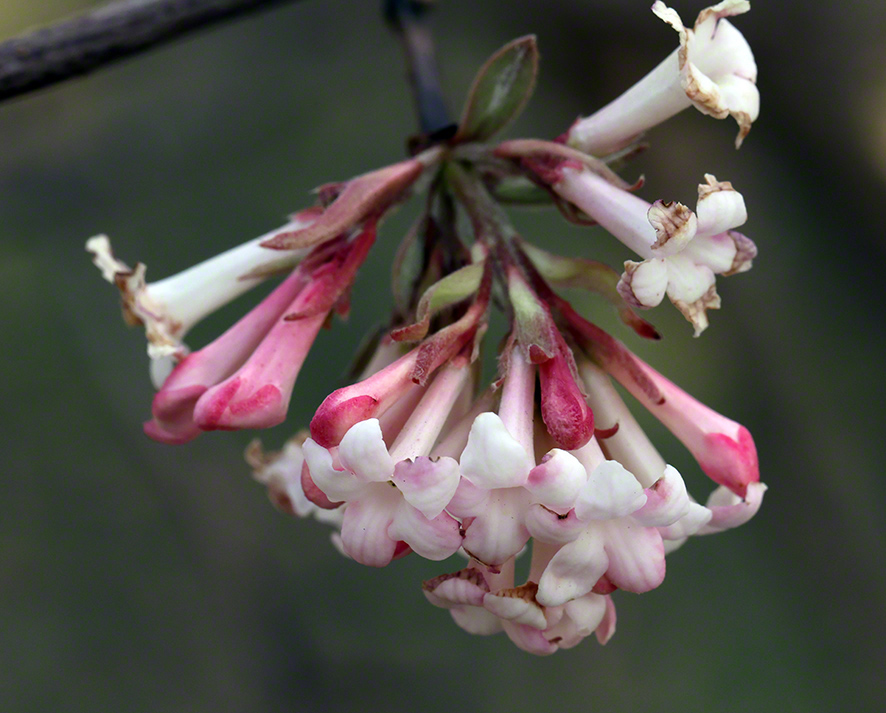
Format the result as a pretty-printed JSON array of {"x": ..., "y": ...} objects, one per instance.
[
  {"x": 396, "y": 496},
  {"x": 244, "y": 379}
]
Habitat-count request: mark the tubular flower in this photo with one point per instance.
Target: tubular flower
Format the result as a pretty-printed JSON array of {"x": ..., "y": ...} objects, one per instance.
[
  {"x": 713, "y": 70},
  {"x": 682, "y": 250},
  {"x": 416, "y": 454},
  {"x": 170, "y": 307}
]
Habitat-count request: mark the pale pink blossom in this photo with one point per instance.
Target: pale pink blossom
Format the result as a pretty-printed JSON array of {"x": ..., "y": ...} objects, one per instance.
[
  {"x": 682, "y": 251},
  {"x": 398, "y": 495}
]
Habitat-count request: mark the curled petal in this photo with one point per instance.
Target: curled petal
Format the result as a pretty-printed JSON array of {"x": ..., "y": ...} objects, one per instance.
[
  {"x": 363, "y": 452},
  {"x": 465, "y": 587},
  {"x": 720, "y": 207},
  {"x": 556, "y": 481},
  {"x": 337, "y": 485},
  {"x": 611, "y": 492},
  {"x": 607, "y": 626},
  {"x": 666, "y": 501},
  {"x": 574, "y": 569},
  {"x": 644, "y": 284},
  {"x": 434, "y": 539},
  {"x": 691, "y": 523},
  {"x": 517, "y": 605},
  {"x": 674, "y": 224},
  {"x": 530, "y": 639},
  {"x": 493, "y": 458},
  {"x": 730, "y": 510},
  {"x": 426, "y": 484},
  {"x": 581, "y": 617}
]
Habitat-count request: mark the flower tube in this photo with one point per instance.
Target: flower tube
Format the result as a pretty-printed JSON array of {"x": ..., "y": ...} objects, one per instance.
[
  {"x": 170, "y": 307},
  {"x": 713, "y": 70}
]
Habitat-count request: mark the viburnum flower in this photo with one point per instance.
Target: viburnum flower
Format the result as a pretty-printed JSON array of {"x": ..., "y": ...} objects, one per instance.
[
  {"x": 712, "y": 70},
  {"x": 418, "y": 454},
  {"x": 682, "y": 250},
  {"x": 169, "y": 308}
]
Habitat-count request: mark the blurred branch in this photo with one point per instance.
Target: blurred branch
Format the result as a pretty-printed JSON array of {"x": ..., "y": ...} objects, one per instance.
[
  {"x": 408, "y": 18},
  {"x": 95, "y": 38}
]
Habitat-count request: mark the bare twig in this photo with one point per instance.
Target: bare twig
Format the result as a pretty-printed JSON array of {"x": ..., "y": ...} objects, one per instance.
[
  {"x": 93, "y": 39},
  {"x": 408, "y": 19}
]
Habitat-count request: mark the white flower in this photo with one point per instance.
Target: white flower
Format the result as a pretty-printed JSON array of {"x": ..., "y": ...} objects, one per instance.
[
  {"x": 712, "y": 70},
  {"x": 682, "y": 250}
]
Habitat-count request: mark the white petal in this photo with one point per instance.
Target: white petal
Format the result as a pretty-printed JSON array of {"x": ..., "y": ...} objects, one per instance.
[
  {"x": 507, "y": 604},
  {"x": 644, "y": 284},
  {"x": 363, "y": 452},
  {"x": 574, "y": 569},
  {"x": 426, "y": 484},
  {"x": 493, "y": 458},
  {"x": 687, "y": 280},
  {"x": 720, "y": 207},
  {"x": 476, "y": 620},
  {"x": 729, "y": 510},
  {"x": 556, "y": 481},
  {"x": 465, "y": 587},
  {"x": 718, "y": 252},
  {"x": 611, "y": 492},
  {"x": 337, "y": 485},
  {"x": 666, "y": 501},
  {"x": 697, "y": 517},
  {"x": 581, "y": 618},
  {"x": 434, "y": 539},
  {"x": 499, "y": 532}
]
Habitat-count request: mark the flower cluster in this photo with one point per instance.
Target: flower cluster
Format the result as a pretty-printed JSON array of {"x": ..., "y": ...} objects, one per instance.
[{"x": 418, "y": 455}]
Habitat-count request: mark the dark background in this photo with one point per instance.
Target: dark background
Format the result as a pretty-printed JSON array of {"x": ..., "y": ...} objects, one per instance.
[{"x": 139, "y": 577}]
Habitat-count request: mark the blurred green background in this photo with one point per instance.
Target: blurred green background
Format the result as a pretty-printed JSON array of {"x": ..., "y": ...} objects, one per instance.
[{"x": 141, "y": 577}]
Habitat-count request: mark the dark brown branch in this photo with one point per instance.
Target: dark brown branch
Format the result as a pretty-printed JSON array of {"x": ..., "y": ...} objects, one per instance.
[
  {"x": 93, "y": 39},
  {"x": 408, "y": 17}
]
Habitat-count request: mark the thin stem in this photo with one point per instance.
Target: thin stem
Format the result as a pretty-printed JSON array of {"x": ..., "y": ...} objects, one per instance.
[
  {"x": 119, "y": 29},
  {"x": 408, "y": 19}
]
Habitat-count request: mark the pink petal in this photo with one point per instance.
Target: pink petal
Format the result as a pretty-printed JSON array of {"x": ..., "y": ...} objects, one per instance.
[
  {"x": 364, "y": 531},
  {"x": 426, "y": 484},
  {"x": 729, "y": 510},
  {"x": 636, "y": 555},
  {"x": 434, "y": 539},
  {"x": 548, "y": 526},
  {"x": 606, "y": 629}
]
